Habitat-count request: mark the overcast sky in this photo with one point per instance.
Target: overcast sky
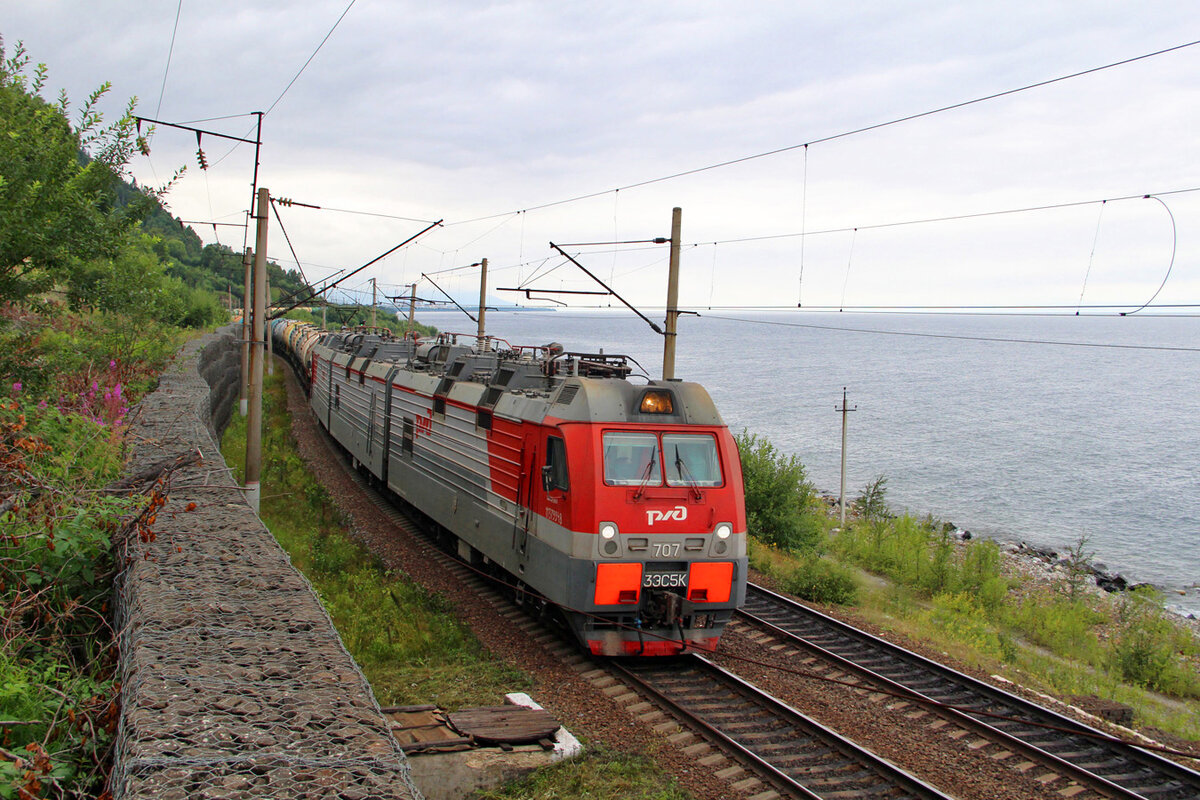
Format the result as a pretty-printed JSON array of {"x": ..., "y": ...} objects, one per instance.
[{"x": 461, "y": 110}]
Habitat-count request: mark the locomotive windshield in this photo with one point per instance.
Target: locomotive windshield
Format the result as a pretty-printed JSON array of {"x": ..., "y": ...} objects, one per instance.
[
  {"x": 631, "y": 459},
  {"x": 639, "y": 459},
  {"x": 691, "y": 459}
]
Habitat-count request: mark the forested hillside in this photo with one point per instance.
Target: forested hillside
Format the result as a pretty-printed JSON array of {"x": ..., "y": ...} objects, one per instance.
[{"x": 215, "y": 268}]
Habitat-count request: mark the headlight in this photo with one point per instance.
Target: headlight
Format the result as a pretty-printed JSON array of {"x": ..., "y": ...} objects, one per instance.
[
  {"x": 608, "y": 530},
  {"x": 723, "y": 530}
]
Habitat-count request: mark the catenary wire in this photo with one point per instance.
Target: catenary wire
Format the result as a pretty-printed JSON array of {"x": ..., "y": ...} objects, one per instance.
[
  {"x": 294, "y": 78},
  {"x": 170, "y": 51},
  {"x": 961, "y": 337},
  {"x": 843, "y": 134},
  {"x": 310, "y": 58},
  {"x": 1174, "y": 246}
]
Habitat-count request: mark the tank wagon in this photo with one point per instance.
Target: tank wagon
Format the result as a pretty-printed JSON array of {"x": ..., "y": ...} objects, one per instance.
[{"x": 619, "y": 504}]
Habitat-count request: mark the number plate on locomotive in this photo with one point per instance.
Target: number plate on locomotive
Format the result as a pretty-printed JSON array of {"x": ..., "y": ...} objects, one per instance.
[{"x": 664, "y": 580}]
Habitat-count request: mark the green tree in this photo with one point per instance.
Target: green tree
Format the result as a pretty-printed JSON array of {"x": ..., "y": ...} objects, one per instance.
[
  {"x": 58, "y": 182},
  {"x": 872, "y": 501},
  {"x": 778, "y": 494}
]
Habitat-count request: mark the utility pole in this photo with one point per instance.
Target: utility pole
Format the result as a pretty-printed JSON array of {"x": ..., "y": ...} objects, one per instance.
[
  {"x": 374, "y": 287},
  {"x": 412, "y": 308},
  {"x": 247, "y": 301},
  {"x": 844, "y": 410},
  {"x": 267, "y": 332},
  {"x": 672, "y": 297},
  {"x": 481, "y": 339},
  {"x": 324, "y": 315},
  {"x": 254, "y": 421}
]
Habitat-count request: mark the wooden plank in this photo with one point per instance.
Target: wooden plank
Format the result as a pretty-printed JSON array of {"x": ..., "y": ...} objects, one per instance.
[{"x": 507, "y": 724}]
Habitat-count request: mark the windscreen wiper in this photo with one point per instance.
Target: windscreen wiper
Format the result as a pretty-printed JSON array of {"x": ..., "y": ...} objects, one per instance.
[
  {"x": 682, "y": 468},
  {"x": 646, "y": 478}
]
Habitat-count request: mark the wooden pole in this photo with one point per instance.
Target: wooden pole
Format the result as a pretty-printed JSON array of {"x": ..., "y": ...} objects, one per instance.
[
  {"x": 254, "y": 419},
  {"x": 672, "y": 297}
]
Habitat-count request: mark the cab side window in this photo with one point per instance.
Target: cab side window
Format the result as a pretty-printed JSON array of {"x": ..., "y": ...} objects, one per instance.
[{"x": 556, "y": 464}]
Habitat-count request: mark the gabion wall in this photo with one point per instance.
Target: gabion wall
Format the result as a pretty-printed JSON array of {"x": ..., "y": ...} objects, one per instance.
[{"x": 234, "y": 683}]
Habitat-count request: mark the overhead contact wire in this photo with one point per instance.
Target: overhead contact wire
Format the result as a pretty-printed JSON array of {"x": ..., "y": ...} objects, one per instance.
[
  {"x": 1174, "y": 246},
  {"x": 845, "y": 134},
  {"x": 963, "y": 337}
]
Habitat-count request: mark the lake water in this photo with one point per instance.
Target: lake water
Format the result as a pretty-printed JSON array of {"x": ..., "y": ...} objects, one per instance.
[{"x": 1043, "y": 440}]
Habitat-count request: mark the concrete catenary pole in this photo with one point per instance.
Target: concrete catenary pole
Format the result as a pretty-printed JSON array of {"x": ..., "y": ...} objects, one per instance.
[
  {"x": 672, "y": 297},
  {"x": 254, "y": 419},
  {"x": 374, "y": 301},
  {"x": 267, "y": 332},
  {"x": 247, "y": 301},
  {"x": 412, "y": 308},
  {"x": 844, "y": 410},
  {"x": 481, "y": 338}
]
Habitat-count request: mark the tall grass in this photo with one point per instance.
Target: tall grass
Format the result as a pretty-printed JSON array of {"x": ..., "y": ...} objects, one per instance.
[{"x": 960, "y": 595}]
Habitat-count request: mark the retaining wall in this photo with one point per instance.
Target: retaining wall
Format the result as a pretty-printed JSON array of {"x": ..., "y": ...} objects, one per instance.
[{"x": 234, "y": 683}]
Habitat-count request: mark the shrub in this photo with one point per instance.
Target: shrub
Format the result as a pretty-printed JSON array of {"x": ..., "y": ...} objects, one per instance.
[
  {"x": 1147, "y": 648},
  {"x": 821, "y": 580},
  {"x": 959, "y": 617},
  {"x": 778, "y": 495},
  {"x": 1065, "y": 626}
]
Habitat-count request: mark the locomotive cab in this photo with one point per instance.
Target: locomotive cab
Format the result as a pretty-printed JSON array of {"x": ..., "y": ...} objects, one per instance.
[{"x": 657, "y": 521}]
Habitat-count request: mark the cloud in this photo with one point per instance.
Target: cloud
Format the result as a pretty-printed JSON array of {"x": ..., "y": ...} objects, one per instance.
[{"x": 468, "y": 109}]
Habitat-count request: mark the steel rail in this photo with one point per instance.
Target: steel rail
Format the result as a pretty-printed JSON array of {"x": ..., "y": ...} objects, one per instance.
[
  {"x": 1126, "y": 769},
  {"x": 870, "y": 767}
]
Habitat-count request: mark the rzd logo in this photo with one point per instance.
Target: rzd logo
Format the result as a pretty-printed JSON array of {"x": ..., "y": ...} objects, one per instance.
[{"x": 678, "y": 513}]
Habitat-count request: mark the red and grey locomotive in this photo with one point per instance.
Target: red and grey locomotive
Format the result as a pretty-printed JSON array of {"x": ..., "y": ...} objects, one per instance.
[{"x": 619, "y": 503}]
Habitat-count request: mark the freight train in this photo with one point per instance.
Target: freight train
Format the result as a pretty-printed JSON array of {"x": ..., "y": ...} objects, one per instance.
[{"x": 618, "y": 505}]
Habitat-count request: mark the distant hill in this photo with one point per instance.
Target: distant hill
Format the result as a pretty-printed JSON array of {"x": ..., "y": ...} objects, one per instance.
[{"x": 214, "y": 267}]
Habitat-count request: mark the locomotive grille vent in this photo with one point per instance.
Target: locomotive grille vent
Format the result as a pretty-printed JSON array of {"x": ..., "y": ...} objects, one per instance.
[
  {"x": 457, "y": 369},
  {"x": 492, "y": 396},
  {"x": 443, "y": 388},
  {"x": 567, "y": 394},
  {"x": 504, "y": 376}
]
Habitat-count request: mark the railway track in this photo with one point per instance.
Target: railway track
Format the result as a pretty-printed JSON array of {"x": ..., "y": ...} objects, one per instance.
[
  {"x": 782, "y": 754},
  {"x": 764, "y": 753},
  {"x": 1057, "y": 742},
  {"x": 791, "y": 752}
]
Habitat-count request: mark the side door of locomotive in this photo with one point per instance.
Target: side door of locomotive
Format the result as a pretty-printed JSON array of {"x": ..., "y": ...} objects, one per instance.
[{"x": 525, "y": 521}]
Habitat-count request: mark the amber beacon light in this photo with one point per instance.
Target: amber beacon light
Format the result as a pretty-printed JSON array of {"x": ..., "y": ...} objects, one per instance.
[{"x": 657, "y": 403}]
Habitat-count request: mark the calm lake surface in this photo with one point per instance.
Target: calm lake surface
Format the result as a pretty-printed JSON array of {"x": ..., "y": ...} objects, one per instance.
[{"x": 1042, "y": 442}]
